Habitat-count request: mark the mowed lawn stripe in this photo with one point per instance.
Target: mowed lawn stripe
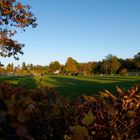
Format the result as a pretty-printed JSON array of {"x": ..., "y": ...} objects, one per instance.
[{"x": 74, "y": 86}]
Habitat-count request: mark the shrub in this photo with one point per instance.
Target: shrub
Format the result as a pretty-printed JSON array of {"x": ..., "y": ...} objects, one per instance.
[
  {"x": 123, "y": 72},
  {"x": 42, "y": 114}
]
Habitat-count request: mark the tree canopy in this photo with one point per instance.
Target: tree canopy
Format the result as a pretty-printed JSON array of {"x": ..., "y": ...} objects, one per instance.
[
  {"x": 110, "y": 64},
  {"x": 137, "y": 60},
  {"x": 70, "y": 66},
  {"x": 13, "y": 15},
  {"x": 54, "y": 66}
]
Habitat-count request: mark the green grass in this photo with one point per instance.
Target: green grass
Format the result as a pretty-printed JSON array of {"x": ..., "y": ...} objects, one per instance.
[{"x": 74, "y": 86}]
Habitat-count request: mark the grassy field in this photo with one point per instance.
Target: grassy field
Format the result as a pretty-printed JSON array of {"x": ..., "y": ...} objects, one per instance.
[{"x": 73, "y": 86}]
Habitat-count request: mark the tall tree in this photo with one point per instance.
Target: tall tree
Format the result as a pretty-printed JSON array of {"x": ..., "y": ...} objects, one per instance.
[
  {"x": 70, "y": 66},
  {"x": 13, "y": 15},
  {"x": 111, "y": 64},
  {"x": 114, "y": 65}
]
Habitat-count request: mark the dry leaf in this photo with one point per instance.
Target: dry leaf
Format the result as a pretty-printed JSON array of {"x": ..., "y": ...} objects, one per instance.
[
  {"x": 79, "y": 132},
  {"x": 89, "y": 118}
]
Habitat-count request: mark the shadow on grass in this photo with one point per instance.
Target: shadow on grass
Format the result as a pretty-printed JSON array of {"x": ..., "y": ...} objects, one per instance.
[
  {"x": 72, "y": 87},
  {"x": 24, "y": 81},
  {"x": 28, "y": 82}
]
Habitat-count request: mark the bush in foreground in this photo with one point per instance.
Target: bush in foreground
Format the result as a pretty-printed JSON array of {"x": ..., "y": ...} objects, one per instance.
[{"x": 42, "y": 114}]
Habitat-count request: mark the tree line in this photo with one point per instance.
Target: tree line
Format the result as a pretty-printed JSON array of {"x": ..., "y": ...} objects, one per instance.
[
  {"x": 15, "y": 17},
  {"x": 109, "y": 65}
]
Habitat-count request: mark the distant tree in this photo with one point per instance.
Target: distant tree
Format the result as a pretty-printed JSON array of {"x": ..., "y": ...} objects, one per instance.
[
  {"x": 109, "y": 57},
  {"x": 128, "y": 63},
  {"x": 13, "y": 15},
  {"x": 62, "y": 69},
  {"x": 80, "y": 68},
  {"x": 10, "y": 68},
  {"x": 137, "y": 60},
  {"x": 97, "y": 69},
  {"x": 24, "y": 67},
  {"x": 54, "y": 66},
  {"x": 110, "y": 64},
  {"x": 2, "y": 70},
  {"x": 30, "y": 66},
  {"x": 71, "y": 66},
  {"x": 105, "y": 67},
  {"x": 137, "y": 56},
  {"x": 88, "y": 68},
  {"x": 114, "y": 65}
]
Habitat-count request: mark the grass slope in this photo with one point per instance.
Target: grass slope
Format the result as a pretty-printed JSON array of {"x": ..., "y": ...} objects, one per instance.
[{"x": 74, "y": 86}]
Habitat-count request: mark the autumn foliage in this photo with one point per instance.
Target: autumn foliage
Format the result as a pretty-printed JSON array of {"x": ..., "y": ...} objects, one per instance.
[
  {"x": 42, "y": 114},
  {"x": 13, "y": 15}
]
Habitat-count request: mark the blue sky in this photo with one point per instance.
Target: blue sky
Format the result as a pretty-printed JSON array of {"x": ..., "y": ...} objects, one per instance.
[{"x": 86, "y": 30}]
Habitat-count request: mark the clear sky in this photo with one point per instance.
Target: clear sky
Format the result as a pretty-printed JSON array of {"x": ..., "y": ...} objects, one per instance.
[{"x": 86, "y": 30}]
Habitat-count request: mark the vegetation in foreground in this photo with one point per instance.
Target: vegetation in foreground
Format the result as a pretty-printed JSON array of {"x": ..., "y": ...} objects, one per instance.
[
  {"x": 42, "y": 114},
  {"x": 74, "y": 86}
]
